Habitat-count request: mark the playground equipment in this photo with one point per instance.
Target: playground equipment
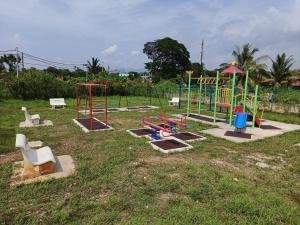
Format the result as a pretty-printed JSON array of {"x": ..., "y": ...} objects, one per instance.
[
  {"x": 124, "y": 91},
  {"x": 85, "y": 101},
  {"x": 166, "y": 129},
  {"x": 228, "y": 97},
  {"x": 240, "y": 121},
  {"x": 36, "y": 161}
]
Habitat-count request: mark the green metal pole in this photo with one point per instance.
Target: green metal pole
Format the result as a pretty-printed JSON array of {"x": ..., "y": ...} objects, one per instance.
[
  {"x": 254, "y": 106},
  {"x": 200, "y": 96},
  {"x": 180, "y": 90},
  {"x": 232, "y": 98},
  {"x": 189, "y": 94},
  {"x": 245, "y": 91},
  {"x": 215, "y": 98}
]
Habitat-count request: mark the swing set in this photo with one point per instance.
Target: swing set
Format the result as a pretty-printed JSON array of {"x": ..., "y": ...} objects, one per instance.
[
  {"x": 124, "y": 93},
  {"x": 85, "y": 101}
]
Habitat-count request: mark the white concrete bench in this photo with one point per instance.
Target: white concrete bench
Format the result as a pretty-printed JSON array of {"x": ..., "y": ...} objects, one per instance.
[
  {"x": 57, "y": 103},
  {"x": 38, "y": 162},
  {"x": 174, "y": 101},
  {"x": 31, "y": 119}
]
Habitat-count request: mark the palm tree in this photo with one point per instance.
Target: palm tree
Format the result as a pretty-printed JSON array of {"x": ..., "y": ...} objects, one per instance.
[
  {"x": 281, "y": 69},
  {"x": 94, "y": 66},
  {"x": 246, "y": 61}
]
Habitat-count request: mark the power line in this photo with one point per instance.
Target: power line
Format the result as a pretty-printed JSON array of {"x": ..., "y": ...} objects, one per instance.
[{"x": 50, "y": 61}]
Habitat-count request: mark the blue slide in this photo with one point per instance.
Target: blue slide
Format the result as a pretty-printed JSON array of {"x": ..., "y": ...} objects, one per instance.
[{"x": 240, "y": 120}]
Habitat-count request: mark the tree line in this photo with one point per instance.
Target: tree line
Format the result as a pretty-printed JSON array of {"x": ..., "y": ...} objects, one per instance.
[{"x": 169, "y": 59}]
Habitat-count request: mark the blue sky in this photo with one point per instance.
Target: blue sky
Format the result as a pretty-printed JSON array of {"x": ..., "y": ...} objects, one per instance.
[{"x": 116, "y": 30}]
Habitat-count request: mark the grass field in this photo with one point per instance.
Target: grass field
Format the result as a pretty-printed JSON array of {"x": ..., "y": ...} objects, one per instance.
[{"x": 120, "y": 179}]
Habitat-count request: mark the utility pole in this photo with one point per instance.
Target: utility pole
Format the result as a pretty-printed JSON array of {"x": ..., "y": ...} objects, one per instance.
[
  {"x": 202, "y": 67},
  {"x": 22, "y": 60},
  {"x": 17, "y": 62},
  {"x": 201, "y": 57}
]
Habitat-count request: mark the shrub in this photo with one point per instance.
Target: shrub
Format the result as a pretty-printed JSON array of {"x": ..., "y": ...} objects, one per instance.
[{"x": 35, "y": 84}]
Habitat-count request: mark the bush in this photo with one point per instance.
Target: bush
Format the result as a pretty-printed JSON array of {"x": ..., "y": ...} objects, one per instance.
[{"x": 35, "y": 84}]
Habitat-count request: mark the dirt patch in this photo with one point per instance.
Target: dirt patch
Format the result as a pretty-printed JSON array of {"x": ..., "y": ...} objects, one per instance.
[
  {"x": 164, "y": 198},
  {"x": 224, "y": 163},
  {"x": 264, "y": 161},
  {"x": 10, "y": 157},
  {"x": 244, "y": 169}
]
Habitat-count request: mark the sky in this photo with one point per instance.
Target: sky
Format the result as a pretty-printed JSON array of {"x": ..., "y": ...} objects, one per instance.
[{"x": 115, "y": 31}]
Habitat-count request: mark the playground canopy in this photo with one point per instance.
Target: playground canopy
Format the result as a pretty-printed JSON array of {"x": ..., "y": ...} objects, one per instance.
[{"x": 231, "y": 69}]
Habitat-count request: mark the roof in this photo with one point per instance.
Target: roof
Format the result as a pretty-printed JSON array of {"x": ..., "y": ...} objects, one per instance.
[
  {"x": 296, "y": 83},
  {"x": 231, "y": 69}
]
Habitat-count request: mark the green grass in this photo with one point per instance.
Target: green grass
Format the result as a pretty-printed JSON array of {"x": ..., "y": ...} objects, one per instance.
[{"x": 122, "y": 180}]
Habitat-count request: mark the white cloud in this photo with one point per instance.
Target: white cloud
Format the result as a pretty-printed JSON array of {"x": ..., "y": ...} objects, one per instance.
[
  {"x": 135, "y": 52},
  {"x": 110, "y": 50},
  {"x": 17, "y": 37},
  {"x": 76, "y": 30}
]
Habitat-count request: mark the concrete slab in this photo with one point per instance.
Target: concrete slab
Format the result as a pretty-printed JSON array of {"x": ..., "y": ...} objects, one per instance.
[
  {"x": 139, "y": 132},
  {"x": 63, "y": 167},
  {"x": 257, "y": 133},
  {"x": 297, "y": 145},
  {"x": 122, "y": 109},
  {"x": 35, "y": 144},
  {"x": 86, "y": 130},
  {"x": 183, "y": 146},
  {"x": 42, "y": 123},
  {"x": 196, "y": 137}
]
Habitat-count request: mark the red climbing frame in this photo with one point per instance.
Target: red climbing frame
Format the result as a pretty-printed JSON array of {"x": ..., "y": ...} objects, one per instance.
[{"x": 91, "y": 106}]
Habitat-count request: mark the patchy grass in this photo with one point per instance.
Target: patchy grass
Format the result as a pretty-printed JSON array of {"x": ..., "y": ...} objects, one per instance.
[{"x": 122, "y": 180}]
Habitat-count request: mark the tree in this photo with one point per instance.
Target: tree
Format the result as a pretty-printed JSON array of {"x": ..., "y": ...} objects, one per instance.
[
  {"x": 168, "y": 58},
  {"x": 197, "y": 69},
  {"x": 94, "y": 66},
  {"x": 246, "y": 61},
  {"x": 133, "y": 75},
  {"x": 281, "y": 69},
  {"x": 10, "y": 62}
]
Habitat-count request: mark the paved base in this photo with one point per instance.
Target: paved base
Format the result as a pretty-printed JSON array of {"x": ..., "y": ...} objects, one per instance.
[
  {"x": 97, "y": 125},
  {"x": 200, "y": 118},
  {"x": 188, "y": 137},
  {"x": 256, "y": 133},
  {"x": 123, "y": 109},
  {"x": 170, "y": 146},
  {"x": 42, "y": 123},
  {"x": 63, "y": 167},
  {"x": 141, "y": 132}
]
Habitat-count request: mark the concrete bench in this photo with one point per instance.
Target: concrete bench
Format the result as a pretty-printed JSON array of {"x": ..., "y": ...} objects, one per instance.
[
  {"x": 57, "y": 103},
  {"x": 36, "y": 161},
  {"x": 31, "y": 119},
  {"x": 174, "y": 101}
]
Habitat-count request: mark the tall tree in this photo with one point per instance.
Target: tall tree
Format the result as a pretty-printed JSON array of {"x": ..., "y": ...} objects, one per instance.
[
  {"x": 281, "y": 69},
  {"x": 168, "y": 58},
  {"x": 94, "y": 66},
  {"x": 245, "y": 58},
  {"x": 10, "y": 62}
]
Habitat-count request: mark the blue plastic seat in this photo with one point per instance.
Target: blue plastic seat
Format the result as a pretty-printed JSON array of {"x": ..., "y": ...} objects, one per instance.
[{"x": 240, "y": 120}]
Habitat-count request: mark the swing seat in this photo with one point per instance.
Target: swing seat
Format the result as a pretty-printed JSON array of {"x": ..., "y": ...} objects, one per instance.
[{"x": 223, "y": 105}]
